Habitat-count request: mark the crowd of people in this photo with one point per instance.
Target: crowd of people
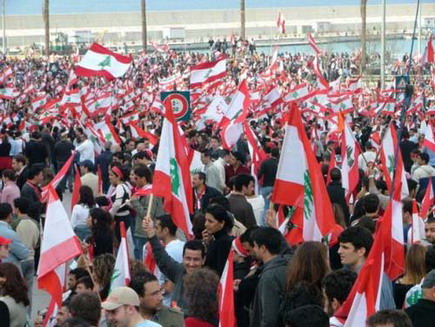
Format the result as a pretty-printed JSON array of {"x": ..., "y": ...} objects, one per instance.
[{"x": 50, "y": 115}]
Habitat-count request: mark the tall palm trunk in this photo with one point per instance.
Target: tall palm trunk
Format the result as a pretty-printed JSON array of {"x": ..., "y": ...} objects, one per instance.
[
  {"x": 363, "y": 11},
  {"x": 143, "y": 8},
  {"x": 242, "y": 19},
  {"x": 46, "y": 17}
]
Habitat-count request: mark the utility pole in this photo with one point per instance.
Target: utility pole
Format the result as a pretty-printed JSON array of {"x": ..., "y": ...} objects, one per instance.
[
  {"x": 4, "y": 26},
  {"x": 242, "y": 19},
  {"x": 419, "y": 29},
  {"x": 383, "y": 31},
  {"x": 143, "y": 8},
  {"x": 46, "y": 16}
]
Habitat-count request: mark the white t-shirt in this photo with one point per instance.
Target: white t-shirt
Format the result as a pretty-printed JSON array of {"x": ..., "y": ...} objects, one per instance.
[
  {"x": 79, "y": 215},
  {"x": 148, "y": 323},
  {"x": 86, "y": 150}
]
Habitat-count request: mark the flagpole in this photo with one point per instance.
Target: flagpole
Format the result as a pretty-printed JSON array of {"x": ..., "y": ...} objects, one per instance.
[
  {"x": 150, "y": 206},
  {"x": 4, "y": 26},
  {"x": 383, "y": 28}
]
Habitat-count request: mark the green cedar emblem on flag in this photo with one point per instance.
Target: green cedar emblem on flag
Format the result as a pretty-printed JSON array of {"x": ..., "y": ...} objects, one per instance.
[
  {"x": 308, "y": 196},
  {"x": 390, "y": 164},
  {"x": 175, "y": 177},
  {"x": 349, "y": 153},
  {"x": 105, "y": 62}
]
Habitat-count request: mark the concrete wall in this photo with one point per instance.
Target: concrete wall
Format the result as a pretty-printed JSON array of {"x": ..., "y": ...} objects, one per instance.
[{"x": 23, "y": 30}]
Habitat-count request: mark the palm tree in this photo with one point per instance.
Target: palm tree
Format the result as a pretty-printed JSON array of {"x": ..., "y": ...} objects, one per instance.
[
  {"x": 143, "y": 8},
  {"x": 46, "y": 17},
  {"x": 242, "y": 19},
  {"x": 363, "y": 12}
]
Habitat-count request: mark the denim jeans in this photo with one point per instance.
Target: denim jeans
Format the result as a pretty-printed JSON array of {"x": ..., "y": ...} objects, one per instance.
[
  {"x": 265, "y": 192},
  {"x": 139, "y": 243},
  {"x": 82, "y": 232},
  {"x": 28, "y": 268}
]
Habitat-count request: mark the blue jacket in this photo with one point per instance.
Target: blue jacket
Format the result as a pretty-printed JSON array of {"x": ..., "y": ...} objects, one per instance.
[{"x": 18, "y": 251}]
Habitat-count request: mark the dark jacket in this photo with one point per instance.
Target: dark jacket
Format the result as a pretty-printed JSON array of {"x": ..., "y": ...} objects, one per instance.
[
  {"x": 337, "y": 194},
  {"x": 210, "y": 192},
  {"x": 406, "y": 147},
  {"x": 169, "y": 317},
  {"x": 269, "y": 293},
  {"x": 217, "y": 253},
  {"x": 173, "y": 270},
  {"x": 422, "y": 314},
  {"x": 22, "y": 178},
  {"x": 62, "y": 151},
  {"x": 242, "y": 210},
  {"x": 267, "y": 171},
  {"x": 36, "y": 152}
]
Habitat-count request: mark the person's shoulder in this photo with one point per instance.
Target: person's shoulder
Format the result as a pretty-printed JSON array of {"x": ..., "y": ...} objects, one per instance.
[
  {"x": 170, "y": 312},
  {"x": 148, "y": 323}
]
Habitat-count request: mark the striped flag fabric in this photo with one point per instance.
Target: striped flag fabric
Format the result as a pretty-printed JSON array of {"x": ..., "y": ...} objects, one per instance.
[
  {"x": 299, "y": 93},
  {"x": 138, "y": 133},
  {"x": 349, "y": 152},
  {"x": 429, "y": 140},
  {"x": 417, "y": 230},
  {"x": 314, "y": 45},
  {"x": 172, "y": 177},
  {"x": 303, "y": 185},
  {"x": 100, "y": 61},
  {"x": 59, "y": 244},
  {"x": 392, "y": 162},
  {"x": 226, "y": 293},
  {"x": 207, "y": 72},
  {"x": 76, "y": 189},
  {"x": 121, "y": 272},
  {"x": 428, "y": 200},
  {"x": 280, "y": 23}
]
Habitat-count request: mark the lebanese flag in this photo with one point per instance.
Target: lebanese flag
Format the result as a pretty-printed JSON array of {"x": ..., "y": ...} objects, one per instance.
[
  {"x": 303, "y": 185},
  {"x": 107, "y": 131},
  {"x": 9, "y": 93},
  {"x": 232, "y": 122},
  {"x": 170, "y": 83},
  {"x": 59, "y": 245},
  {"x": 58, "y": 178},
  {"x": 429, "y": 53},
  {"x": 349, "y": 152},
  {"x": 172, "y": 176},
  {"x": 280, "y": 23},
  {"x": 323, "y": 83},
  {"x": 314, "y": 45},
  {"x": 390, "y": 154},
  {"x": 214, "y": 113},
  {"x": 417, "y": 230},
  {"x": 149, "y": 261},
  {"x": 299, "y": 93},
  {"x": 100, "y": 61},
  {"x": 138, "y": 133},
  {"x": 159, "y": 47},
  {"x": 428, "y": 200},
  {"x": 76, "y": 190},
  {"x": 207, "y": 72},
  {"x": 386, "y": 256},
  {"x": 227, "y": 316},
  {"x": 121, "y": 272},
  {"x": 144, "y": 191},
  {"x": 429, "y": 141}
]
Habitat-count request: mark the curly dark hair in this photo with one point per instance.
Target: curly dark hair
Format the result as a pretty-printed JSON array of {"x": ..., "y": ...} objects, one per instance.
[
  {"x": 201, "y": 294},
  {"x": 86, "y": 196},
  {"x": 14, "y": 285}
]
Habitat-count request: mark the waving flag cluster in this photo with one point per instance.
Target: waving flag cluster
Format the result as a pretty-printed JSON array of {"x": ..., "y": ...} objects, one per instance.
[{"x": 302, "y": 186}]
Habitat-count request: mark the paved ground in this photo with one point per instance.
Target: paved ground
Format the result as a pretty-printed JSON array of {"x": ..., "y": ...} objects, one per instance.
[{"x": 41, "y": 299}]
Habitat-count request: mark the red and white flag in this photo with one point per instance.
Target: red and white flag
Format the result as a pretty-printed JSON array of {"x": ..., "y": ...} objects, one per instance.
[
  {"x": 349, "y": 152},
  {"x": 387, "y": 256},
  {"x": 76, "y": 188},
  {"x": 417, "y": 229},
  {"x": 9, "y": 92},
  {"x": 172, "y": 177},
  {"x": 428, "y": 56},
  {"x": 121, "y": 272},
  {"x": 303, "y": 185},
  {"x": 159, "y": 47},
  {"x": 150, "y": 262},
  {"x": 58, "y": 178},
  {"x": 314, "y": 45},
  {"x": 429, "y": 141},
  {"x": 392, "y": 162},
  {"x": 299, "y": 93},
  {"x": 59, "y": 245},
  {"x": 280, "y": 23},
  {"x": 227, "y": 316},
  {"x": 232, "y": 122},
  {"x": 107, "y": 131},
  {"x": 138, "y": 133},
  {"x": 428, "y": 200},
  {"x": 207, "y": 72},
  {"x": 100, "y": 61}
]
